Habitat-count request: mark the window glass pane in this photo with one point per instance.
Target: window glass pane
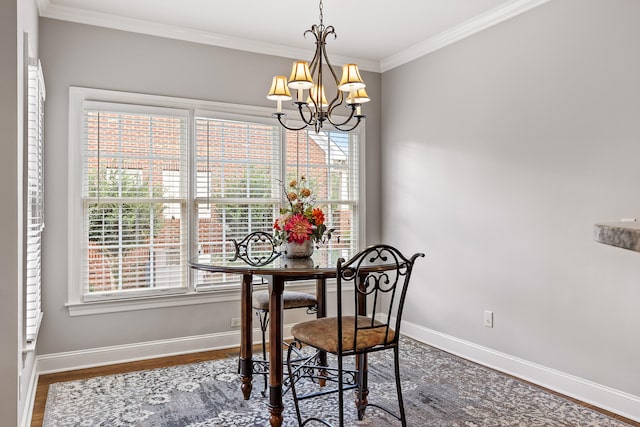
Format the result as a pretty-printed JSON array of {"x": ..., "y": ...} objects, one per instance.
[
  {"x": 237, "y": 186},
  {"x": 329, "y": 163},
  {"x": 134, "y": 186}
]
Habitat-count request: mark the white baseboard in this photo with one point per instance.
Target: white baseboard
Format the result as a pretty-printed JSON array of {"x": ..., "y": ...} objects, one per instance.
[
  {"x": 607, "y": 398},
  {"x": 72, "y": 360},
  {"x": 27, "y": 410}
]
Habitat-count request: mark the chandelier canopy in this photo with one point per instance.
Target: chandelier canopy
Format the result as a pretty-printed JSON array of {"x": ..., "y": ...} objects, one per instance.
[{"x": 307, "y": 79}]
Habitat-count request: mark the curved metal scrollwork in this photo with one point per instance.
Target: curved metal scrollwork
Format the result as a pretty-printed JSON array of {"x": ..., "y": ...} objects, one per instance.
[
  {"x": 379, "y": 276},
  {"x": 256, "y": 249},
  {"x": 392, "y": 266},
  {"x": 303, "y": 365}
]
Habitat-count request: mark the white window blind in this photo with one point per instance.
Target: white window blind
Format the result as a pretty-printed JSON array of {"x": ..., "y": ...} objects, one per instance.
[
  {"x": 134, "y": 187},
  {"x": 329, "y": 161},
  {"x": 237, "y": 186},
  {"x": 34, "y": 198}
]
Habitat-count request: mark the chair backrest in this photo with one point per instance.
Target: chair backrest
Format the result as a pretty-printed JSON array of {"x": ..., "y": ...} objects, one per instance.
[
  {"x": 256, "y": 248},
  {"x": 379, "y": 276}
]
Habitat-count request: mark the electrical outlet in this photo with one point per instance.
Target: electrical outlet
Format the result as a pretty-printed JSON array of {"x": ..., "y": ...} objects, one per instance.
[
  {"x": 235, "y": 322},
  {"x": 488, "y": 319}
]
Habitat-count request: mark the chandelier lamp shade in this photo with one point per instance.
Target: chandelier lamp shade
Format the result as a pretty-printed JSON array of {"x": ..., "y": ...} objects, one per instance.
[{"x": 307, "y": 79}]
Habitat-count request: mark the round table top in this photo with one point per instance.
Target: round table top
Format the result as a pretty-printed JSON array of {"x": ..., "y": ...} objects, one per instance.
[{"x": 321, "y": 264}]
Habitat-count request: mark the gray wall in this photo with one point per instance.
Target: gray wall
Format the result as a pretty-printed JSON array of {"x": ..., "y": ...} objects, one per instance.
[
  {"x": 81, "y": 55},
  {"x": 499, "y": 153},
  {"x": 9, "y": 232},
  {"x": 16, "y": 368}
]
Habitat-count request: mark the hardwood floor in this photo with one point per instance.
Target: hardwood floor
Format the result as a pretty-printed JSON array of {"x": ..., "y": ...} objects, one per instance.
[{"x": 45, "y": 380}]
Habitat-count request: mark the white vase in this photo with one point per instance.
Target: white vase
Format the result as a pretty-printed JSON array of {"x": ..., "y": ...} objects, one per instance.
[
  {"x": 298, "y": 250},
  {"x": 306, "y": 262}
]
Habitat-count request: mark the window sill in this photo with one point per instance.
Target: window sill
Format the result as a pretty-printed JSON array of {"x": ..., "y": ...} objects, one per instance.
[{"x": 163, "y": 301}]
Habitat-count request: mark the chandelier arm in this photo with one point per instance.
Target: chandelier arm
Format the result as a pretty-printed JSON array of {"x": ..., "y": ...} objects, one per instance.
[
  {"x": 279, "y": 116},
  {"x": 313, "y": 65},
  {"x": 328, "y": 30},
  {"x": 358, "y": 117},
  {"x": 335, "y": 102},
  {"x": 309, "y": 121},
  {"x": 323, "y": 52},
  {"x": 326, "y": 33},
  {"x": 347, "y": 120}
]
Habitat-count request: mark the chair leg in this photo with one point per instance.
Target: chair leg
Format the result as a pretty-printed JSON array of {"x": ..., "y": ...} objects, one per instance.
[
  {"x": 361, "y": 404},
  {"x": 292, "y": 346},
  {"x": 396, "y": 359},
  {"x": 263, "y": 317},
  {"x": 340, "y": 392}
]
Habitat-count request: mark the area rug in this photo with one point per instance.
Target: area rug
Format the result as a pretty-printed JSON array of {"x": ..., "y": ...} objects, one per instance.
[{"x": 439, "y": 390}]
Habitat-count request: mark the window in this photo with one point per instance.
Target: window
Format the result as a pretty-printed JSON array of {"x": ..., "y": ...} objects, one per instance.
[
  {"x": 329, "y": 161},
  {"x": 164, "y": 180},
  {"x": 238, "y": 165},
  {"x": 34, "y": 198},
  {"x": 134, "y": 220}
]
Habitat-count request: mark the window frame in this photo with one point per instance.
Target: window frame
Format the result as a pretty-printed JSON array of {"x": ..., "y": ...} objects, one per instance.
[{"x": 77, "y": 304}]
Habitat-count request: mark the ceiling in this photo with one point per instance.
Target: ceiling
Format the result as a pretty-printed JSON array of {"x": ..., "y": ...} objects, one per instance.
[{"x": 377, "y": 34}]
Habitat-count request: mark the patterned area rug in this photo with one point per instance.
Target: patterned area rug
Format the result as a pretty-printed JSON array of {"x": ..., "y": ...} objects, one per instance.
[{"x": 439, "y": 390}]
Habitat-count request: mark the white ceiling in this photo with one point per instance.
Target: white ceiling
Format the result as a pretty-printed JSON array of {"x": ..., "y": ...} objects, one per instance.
[{"x": 377, "y": 34}]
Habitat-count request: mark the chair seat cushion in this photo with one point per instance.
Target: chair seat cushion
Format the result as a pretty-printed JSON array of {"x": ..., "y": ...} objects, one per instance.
[
  {"x": 323, "y": 333},
  {"x": 290, "y": 299}
]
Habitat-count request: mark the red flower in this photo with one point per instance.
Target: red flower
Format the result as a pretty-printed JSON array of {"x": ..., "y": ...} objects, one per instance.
[
  {"x": 299, "y": 228},
  {"x": 318, "y": 216},
  {"x": 276, "y": 225}
]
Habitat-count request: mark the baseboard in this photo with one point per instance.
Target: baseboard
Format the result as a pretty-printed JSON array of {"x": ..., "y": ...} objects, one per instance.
[
  {"x": 27, "y": 410},
  {"x": 618, "y": 402},
  {"x": 72, "y": 360}
]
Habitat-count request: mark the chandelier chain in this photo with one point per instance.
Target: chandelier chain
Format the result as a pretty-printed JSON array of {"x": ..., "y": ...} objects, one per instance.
[{"x": 321, "y": 15}]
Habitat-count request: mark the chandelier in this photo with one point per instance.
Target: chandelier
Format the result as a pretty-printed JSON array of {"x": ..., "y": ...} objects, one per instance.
[{"x": 307, "y": 79}]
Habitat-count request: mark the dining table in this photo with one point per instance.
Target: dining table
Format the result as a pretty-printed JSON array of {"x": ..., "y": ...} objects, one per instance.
[{"x": 276, "y": 272}]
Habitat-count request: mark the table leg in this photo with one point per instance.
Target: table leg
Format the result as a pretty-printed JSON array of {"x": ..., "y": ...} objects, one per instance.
[
  {"x": 246, "y": 336},
  {"x": 276, "y": 286}
]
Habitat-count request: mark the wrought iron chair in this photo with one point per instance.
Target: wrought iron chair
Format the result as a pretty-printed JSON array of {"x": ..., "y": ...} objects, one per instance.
[
  {"x": 379, "y": 277},
  {"x": 257, "y": 249}
]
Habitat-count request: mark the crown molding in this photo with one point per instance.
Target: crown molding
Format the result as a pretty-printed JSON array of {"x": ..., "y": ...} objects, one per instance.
[
  {"x": 64, "y": 13},
  {"x": 472, "y": 26},
  {"x": 468, "y": 28}
]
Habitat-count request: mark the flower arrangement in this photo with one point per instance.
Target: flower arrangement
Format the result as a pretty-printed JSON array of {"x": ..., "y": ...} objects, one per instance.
[{"x": 300, "y": 220}]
